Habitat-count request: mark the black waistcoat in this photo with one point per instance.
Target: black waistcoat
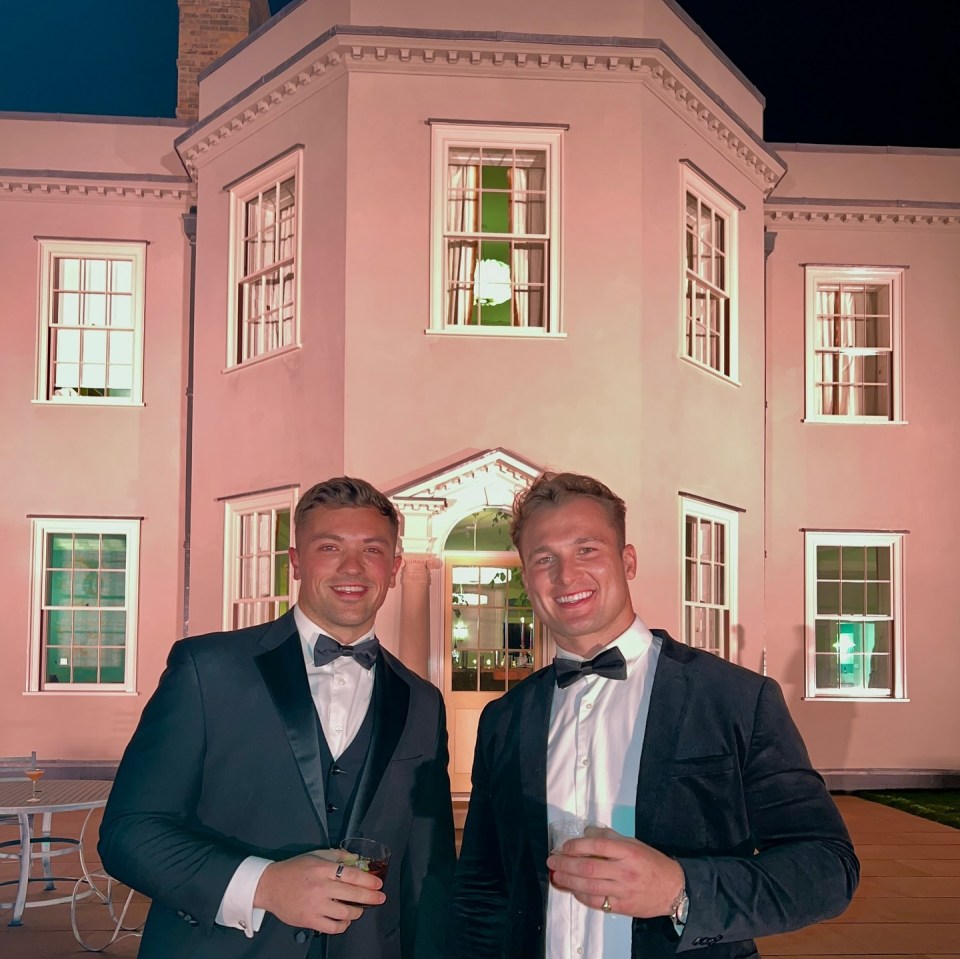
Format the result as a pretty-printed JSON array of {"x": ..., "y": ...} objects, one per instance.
[{"x": 341, "y": 778}]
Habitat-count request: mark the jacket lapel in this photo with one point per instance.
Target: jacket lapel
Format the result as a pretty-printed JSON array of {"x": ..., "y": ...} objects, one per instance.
[
  {"x": 534, "y": 720},
  {"x": 283, "y": 672},
  {"x": 390, "y": 704},
  {"x": 668, "y": 703}
]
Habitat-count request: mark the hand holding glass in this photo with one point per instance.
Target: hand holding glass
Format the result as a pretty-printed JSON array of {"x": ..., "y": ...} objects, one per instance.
[{"x": 572, "y": 827}]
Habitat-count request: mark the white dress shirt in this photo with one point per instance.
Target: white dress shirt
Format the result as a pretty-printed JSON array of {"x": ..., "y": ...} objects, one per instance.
[
  {"x": 341, "y": 691},
  {"x": 593, "y": 764}
]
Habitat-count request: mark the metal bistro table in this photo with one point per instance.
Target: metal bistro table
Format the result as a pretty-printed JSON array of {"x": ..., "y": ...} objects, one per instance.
[{"x": 55, "y": 796}]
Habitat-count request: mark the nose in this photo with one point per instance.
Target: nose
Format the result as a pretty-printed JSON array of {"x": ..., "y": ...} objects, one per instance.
[
  {"x": 562, "y": 571},
  {"x": 351, "y": 561}
]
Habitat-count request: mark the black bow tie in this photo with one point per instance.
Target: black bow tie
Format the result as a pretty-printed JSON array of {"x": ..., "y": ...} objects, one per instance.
[
  {"x": 327, "y": 650},
  {"x": 609, "y": 663}
]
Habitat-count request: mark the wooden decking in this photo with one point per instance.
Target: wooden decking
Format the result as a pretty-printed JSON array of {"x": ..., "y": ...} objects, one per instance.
[{"x": 907, "y": 906}]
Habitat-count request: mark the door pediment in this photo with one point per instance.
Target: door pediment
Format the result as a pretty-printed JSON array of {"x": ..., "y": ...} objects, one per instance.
[{"x": 434, "y": 503}]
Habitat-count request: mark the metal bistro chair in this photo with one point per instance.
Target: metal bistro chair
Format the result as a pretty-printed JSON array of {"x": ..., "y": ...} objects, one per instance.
[{"x": 108, "y": 891}]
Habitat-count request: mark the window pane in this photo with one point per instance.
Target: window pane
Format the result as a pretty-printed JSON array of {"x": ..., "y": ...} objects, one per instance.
[
  {"x": 828, "y": 599},
  {"x": 86, "y": 551},
  {"x": 85, "y": 665},
  {"x": 113, "y": 627},
  {"x": 68, "y": 273},
  {"x": 853, "y": 599},
  {"x": 95, "y": 309},
  {"x": 113, "y": 589},
  {"x": 58, "y": 665},
  {"x": 282, "y": 540},
  {"x": 59, "y": 631},
  {"x": 121, "y": 277},
  {"x": 95, "y": 275},
  {"x": 878, "y": 599},
  {"x": 59, "y": 589},
  {"x": 112, "y": 663},
  {"x": 852, "y": 559},
  {"x": 67, "y": 309},
  {"x": 59, "y": 550},
  {"x": 86, "y": 628}
]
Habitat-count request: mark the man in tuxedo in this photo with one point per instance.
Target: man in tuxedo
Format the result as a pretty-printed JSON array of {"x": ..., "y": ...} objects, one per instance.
[
  {"x": 717, "y": 829},
  {"x": 263, "y": 748}
]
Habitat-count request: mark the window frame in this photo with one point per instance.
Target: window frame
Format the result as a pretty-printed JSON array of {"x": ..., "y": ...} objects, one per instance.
[
  {"x": 273, "y": 173},
  {"x": 41, "y": 527},
  {"x": 49, "y": 251},
  {"x": 891, "y": 276},
  {"x": 895, "y": 542},
  {"x": 730, "y": 518},
  {"x": 235, "y": 508},
  {"x": 722, "y": 203},
  {"x": 494, "y": 137}
]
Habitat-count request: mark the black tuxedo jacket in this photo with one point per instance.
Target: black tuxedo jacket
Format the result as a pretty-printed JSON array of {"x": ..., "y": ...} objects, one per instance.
[
  {"x": 225, "y": 763},
  {"x": 725, "y": 786}
]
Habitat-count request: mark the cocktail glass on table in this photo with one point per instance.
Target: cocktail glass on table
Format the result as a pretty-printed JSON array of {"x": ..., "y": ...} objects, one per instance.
[{"x": 34, "y": 776}]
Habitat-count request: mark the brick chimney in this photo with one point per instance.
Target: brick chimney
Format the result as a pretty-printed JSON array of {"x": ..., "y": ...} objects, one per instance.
[{"x": 208, "y": 29}]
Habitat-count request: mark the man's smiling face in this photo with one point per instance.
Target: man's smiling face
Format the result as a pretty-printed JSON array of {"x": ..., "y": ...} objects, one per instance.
[
  {"x": 577, "y": 574},
  {"x": 345, "y": 560}
]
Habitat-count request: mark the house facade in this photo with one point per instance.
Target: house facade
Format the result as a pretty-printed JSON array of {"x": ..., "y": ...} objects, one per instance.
[{"x": 444, "y": 255}]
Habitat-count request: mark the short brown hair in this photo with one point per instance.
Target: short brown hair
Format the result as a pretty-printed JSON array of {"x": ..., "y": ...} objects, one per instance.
[
  {"x": 345, "y": 491},
  {"x": 554, "y": 489}
]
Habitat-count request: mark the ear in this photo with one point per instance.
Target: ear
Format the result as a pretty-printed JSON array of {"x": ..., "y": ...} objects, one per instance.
[
  {"x": 397, "y": 563},
  {"x": 294, "y": 561},
  {"x": 629, "y": 561}
]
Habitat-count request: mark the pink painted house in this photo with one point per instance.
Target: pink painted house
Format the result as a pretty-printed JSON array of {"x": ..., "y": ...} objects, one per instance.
[{"x": 445, "y": 254}]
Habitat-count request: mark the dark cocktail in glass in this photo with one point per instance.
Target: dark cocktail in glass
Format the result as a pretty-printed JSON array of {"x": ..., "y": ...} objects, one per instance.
[{"x": 367, "y": 854}]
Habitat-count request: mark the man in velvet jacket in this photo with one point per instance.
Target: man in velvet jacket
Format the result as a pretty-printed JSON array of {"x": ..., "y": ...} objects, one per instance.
[
  {"x": 263, "y": 748},
  {"x": 721, "y": 830}
]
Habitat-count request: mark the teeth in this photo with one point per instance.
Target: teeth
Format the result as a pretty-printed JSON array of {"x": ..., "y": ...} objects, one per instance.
[
  {"x": 575, "y": 597},
  {"x": 348, "y": 589}
]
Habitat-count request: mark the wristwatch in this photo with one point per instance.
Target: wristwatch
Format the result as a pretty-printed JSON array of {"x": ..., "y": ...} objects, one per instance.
[{"x": 679, "y": 908}]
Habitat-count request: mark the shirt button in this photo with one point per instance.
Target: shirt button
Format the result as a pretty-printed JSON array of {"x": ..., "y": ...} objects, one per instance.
[
  {"x": 341, "y": 682},
  {"x": 585, "y": 762},
  {"x": 588, "y": 706},
  {"x": 338, "y": 729},
  {"x": 579, "y": 950}
]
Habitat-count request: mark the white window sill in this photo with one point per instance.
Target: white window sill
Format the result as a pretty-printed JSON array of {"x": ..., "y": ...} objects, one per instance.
[
  {"x": 709, "y": 369},
  {"x": 46, "y": 693},
  {"x": 89, "y": 402},
  {"x": 505, "y": 332},
  {"x": 854, "y": 420},
  {"x": 262, "y": 358},
  {"x": 853, "y": 699}
]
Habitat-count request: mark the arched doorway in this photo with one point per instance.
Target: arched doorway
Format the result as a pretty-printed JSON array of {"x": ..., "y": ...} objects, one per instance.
[{"x": 491, "y": 640}]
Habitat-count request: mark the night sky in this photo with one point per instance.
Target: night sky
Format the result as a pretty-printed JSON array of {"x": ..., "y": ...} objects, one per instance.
[{"x": 866, "y": 72}]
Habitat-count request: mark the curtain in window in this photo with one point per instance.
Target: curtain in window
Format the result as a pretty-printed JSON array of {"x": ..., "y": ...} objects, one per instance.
[
  {"x": 463, "y": 216},
  {"x": 527, "y": 215},
  {"x": 840, "y": 395}
]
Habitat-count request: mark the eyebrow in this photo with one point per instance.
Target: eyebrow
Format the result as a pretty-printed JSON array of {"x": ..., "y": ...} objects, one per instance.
[
  {"x": 341, "y": 539},
  {"x": 579, "y": 541}
]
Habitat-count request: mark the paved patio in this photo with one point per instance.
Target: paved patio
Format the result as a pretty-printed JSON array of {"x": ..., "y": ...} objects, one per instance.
[{"x": 907, "y": 906}]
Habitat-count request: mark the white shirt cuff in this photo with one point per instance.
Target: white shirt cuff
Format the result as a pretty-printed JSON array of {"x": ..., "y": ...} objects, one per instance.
[{"x": 236, "y": 909}]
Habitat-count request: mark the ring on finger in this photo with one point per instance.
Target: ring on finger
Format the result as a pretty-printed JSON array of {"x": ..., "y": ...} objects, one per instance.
[
  {"x": 339, "y": 873},
  {"x": 606, "y": 907}
]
